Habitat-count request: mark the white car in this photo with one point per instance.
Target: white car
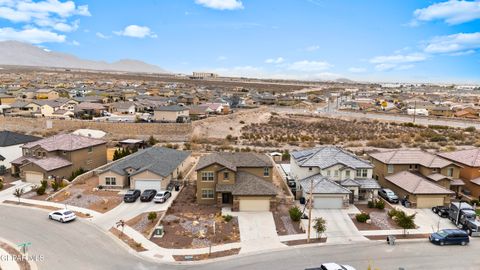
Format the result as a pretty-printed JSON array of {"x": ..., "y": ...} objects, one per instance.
[
  {"x": 162, "y": 196},
  {"x": 63, "y": 215},
  {"x": 335, "y": 266}
]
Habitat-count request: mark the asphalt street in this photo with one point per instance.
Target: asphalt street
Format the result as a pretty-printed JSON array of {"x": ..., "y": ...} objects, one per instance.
[{"x": 81, "y": 245}]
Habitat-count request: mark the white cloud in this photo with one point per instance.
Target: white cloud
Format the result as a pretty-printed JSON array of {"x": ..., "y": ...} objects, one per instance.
[
  {"x": 277, "y": 60},
  {"x": 357, "y": 70},
  {"x": 312, "y": 48},
  {"x": 102, "y": 36},
  {"x": 452, "y": 12},
  {"x": 136, "y": 31},
  {"x": 309, "y": 66},
  {"x": 397, "y": 61},
  {"x": 454, "y": 43},
  {"x": 28, "y": 11},
  {"x": 221, "y": 4},
  {"x": 32, "y": 35}
]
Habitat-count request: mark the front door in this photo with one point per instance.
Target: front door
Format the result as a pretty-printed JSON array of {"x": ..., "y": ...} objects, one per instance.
[
  {"x": 351, "y": 198},
  {"x": 226, "y": 198}
]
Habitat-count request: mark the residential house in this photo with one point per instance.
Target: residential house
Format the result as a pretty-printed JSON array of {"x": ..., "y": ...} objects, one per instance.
[
  {"x": 59, "y": 156},
  {"x": 469, "y": 160},
  {"x": 151, "y": 168},
  {"x": 198, "y": 112},
  {"x": 173, "y": 113},
  {"x": 442, "y": 111},
  {"x": 337, "y": 176},
  {"x": 6, "y": 99},
  {"x": 424, "y": 179},
  {"x": 88, "y": 109},
  {"x": 470, "y": 113},
  {"x": 124, "y": 107},
  {"x": 10, "y": 145},
  {"x": 240, "y": 180},
  {"x": 46, "y": 94}
]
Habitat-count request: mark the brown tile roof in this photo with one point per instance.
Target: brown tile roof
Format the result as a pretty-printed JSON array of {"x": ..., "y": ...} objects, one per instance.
[
  {"x": 234, "y": 160},
  {"x": 411, "y": 157},
  {"x": 476, "y": 181},
  {"x": 48, "y": 164},
  {"x": 249, "y": 184},
  {"x": 470, "y": 157},
  {"x": 415, "y": 184},
  {"x": 437, "y": 177},
  {"x": 65, "y": 142}
]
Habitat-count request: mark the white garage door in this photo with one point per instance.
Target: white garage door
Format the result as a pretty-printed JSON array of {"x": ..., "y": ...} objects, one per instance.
[
  {"x": 254, "y": 205},
  {"x": 148, "y": 184},
  {"x": 33, "y": 177},
  {"x": 429, "y": 202},
  {"x": 328, "y": 202}
]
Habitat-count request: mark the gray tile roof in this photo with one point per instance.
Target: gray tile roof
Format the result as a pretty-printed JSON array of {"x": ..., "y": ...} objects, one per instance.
[
  {"x": 8, "y": 138},
  {"x": 234, "y": 160},
  {"x": 322, "y": 185},
  {"x": 469, "y": 157},
  {"x": 368, "y": 183},
  {"x": 65, "y": 142},
  {"x": 248, "y": 184},
  {"x": 328, "y": 156},
  {"x": 159, "y": 160},
  {"x": 172, "y": 108}
]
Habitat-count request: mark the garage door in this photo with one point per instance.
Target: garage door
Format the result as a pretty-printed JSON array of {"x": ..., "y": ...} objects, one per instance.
[
  {"x": 33, "y": 177},
  {"x": 429, "y": 202},
  {"x": 254, "y": 205},
  {"x": 328, "y": 202},
  {"x": 148, "y": 184}
]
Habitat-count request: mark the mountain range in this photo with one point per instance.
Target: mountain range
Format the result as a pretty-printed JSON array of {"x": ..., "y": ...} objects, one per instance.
[{"x": 25, "y": 54}]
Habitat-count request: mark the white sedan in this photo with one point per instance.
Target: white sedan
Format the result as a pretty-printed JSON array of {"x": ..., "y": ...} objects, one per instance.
[
  {"x": 333, "y": 266},
  {"x": 63, "y": 215}
]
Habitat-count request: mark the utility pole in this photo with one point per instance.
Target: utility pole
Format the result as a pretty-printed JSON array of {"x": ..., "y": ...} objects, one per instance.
[
  {"x": 310, "y": 201},
  {"x": 414, "y": 110}
]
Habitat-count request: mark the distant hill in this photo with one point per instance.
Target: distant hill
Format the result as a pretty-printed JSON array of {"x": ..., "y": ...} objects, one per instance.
[{"x": 25, "y": 54}]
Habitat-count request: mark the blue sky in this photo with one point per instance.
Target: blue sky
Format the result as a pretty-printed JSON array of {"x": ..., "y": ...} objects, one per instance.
[{"x": 369, "y": 40}]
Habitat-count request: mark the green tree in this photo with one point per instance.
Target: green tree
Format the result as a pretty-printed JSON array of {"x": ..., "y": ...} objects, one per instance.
[
  {"x": 152, "y": 216},
  {"x": 320, "y": 226},
  {"x": 295, "y": 213},
  {"x": 405, "y": 221},
  {"x": 152, "y": 141}
]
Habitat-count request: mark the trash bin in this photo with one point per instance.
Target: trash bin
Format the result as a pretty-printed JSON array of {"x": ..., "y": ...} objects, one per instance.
[
  {"x": 391, "y": 240},
  {"x": 302, "y": 200},
  {"x": 177, "y": 188}
]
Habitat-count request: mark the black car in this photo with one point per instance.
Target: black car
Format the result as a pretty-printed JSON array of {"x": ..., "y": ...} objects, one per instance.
[
  {"x": 147, "y": 195},
  {"x": 441, "y": 210},
  {"x": 131, "y": 195},
  {"x": 450, "y": 237}
]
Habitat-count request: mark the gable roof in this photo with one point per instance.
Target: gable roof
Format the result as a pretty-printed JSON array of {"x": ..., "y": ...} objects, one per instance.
[
  {"x": 469, "y": 157},
  {"x": 8, "y": 138},
  {"x": 65, "y": 142},
  {"x": 48, "y": 164},
  {"x": 159, "y": 160},
  {"x": 415, "y": 184},
  {"x": 328, "y": 156},
  {"x": 172, "y": 108},
  {"x": 411, "y": 156},
  {"x": 234, "y": 160},
  {"x": 322, "y": 185},
  {"x": 248, "y": 184}
]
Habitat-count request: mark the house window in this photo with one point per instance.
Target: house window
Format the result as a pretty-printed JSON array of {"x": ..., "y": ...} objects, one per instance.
[
  {"x": 328, "y": 173},
  {"x": 363, "y": 173},
  {"x": 225, "y": 175},
  {"x": 336, "y": 173},
  {"x": 64, "y": 153},
  {"x": 450, "y": 172},
  {"x": 110, "y": 181},
  {"x": 435, "y": 170},
  {"x": 309, "y": 168},
  {"x": 207, "y": 193},
  {"x": 207, "y": 176},
  {"x": 90, "y": 149},
  {"x": 389, "y": 168},
  {"x": 266, "y": 171},
  {"x": 347, "y": 173}
]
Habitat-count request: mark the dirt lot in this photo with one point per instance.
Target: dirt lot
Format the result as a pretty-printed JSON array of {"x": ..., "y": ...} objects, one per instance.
[
  {"x": 379, "y": 219},
  {"x": 283, "y": 222},
  {"x": 85, "y": 195},
  {"x": 142, "y": 225},
  {"x": 190, "y": 225},
  {"x": 127, "y": 240},
  {"x": 212, "y": 255}
]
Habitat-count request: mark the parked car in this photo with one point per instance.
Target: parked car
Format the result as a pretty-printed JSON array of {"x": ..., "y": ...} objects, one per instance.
[
  {"x": 148, "y": 195},
  {"x": 441, "y": 210},
  {"x": 450, "y": 237},
  {"x": 63, "y": 215},
  {"x": 388, "y": 195},
  {"x": 332, "y": 266},
  {"x": 131, "y": 195},
  {"x": 162, "y": 196}
]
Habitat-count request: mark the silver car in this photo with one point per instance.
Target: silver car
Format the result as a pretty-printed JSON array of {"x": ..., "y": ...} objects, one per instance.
[{"x": 162, "y": 196}]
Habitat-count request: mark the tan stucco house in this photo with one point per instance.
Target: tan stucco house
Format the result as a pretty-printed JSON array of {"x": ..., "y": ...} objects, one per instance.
[
  {"x": 172, "y": 114},
  {"x": 151, "y": 168},
  {"x": 242, "y": 181}
]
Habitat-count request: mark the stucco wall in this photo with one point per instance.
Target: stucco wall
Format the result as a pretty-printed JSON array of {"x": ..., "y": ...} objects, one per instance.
[{"x": 10, "y": 153}]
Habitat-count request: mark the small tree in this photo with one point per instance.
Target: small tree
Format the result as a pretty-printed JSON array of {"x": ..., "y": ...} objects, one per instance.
[
  {"x": 295, "y": 213},
  {"x": 18, "y": 193},
  {"x": 152, "y": 216},
  {"x": 320, "y": 226},
  {"x": 152, "y": 141},
  {"x": 405, "y": 221}
]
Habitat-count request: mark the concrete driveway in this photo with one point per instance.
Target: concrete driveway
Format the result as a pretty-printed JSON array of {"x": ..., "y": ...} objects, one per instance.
[
  {"x": 340, "y": 228},
  {"x": 126, "y": 211},
  {"x": 257, "y": 231},
  {"x": 427, "y": 221}
]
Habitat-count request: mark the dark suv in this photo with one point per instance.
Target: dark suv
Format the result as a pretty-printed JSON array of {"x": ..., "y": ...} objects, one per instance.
[
  {"x": 147, "y": 195},
  {"x": 450, "y": 237},
  {"x": 131, "y": 195}
]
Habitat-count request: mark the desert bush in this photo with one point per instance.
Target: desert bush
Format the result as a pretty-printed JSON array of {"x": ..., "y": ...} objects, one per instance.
[
  {"x": 470, "y": 129},
  {"x": 295, "y": 213},
  {"x": 41, "y": 190},
  {"x": 392, "y": 213},
  {"x": 362, "y": 217},
  {"x": 227, "y": 218},
  {"x": 44, "y": 184},
  {"x": 371, "y": 204},
  {"x": 379, "y": 204},
  {"x": 152, "y": 216}
]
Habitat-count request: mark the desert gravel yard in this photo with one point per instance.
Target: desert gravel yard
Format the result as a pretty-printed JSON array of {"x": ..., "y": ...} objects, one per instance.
[
  {"x": 141, "y": 223},
  {"x": 283, "y": 222},
  {"x": 379, "y": 219}
]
